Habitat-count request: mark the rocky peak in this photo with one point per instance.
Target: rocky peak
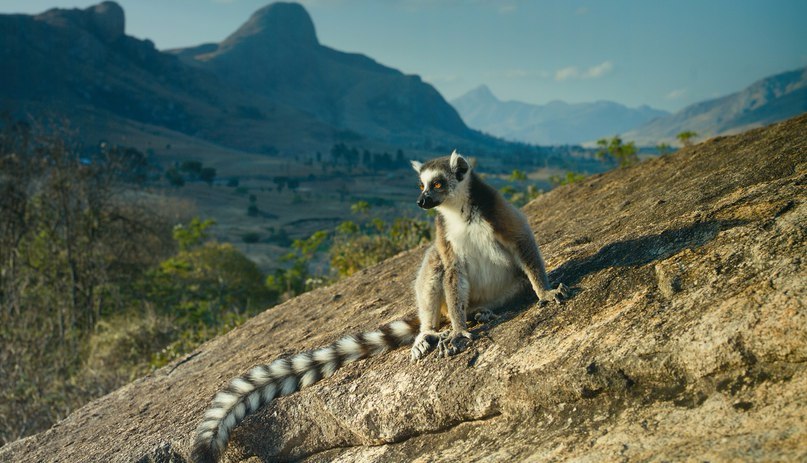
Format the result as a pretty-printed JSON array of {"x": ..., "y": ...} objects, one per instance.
[
  {"x": 482, "y": 93},
  {"x": 106, "y": 20},
  {"x": 286, "y": 23}
]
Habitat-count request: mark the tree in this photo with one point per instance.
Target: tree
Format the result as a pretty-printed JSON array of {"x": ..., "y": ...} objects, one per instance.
[
  {"x": 192, "y": 168},
  {"x": 686, "y": 137},
  {"x": 207, "y": 175},
  {"x": 294, "y": 278},
  {"x": 360, "y": 208},
  {"x": 174, "y": 177},
  {"x": 72, "y": 240},
  {"x": 623, "y": 153},
  {"x": 193, "y": 234},
  {"x": 205, "y": 286},
  {"x": 353, "y": 249},
  {"x": 663, "y": 149},
  {"x": 280, "y": 181},
  {"x": 293, "y": 184},
  {"x": 568, "y": 179},
  {"x": 338, "y": 150},
  {"x": 518, "y": 176}
]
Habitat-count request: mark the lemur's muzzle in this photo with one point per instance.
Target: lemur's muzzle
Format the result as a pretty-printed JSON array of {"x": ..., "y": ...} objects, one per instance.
[{"x": 426, "y": 201}]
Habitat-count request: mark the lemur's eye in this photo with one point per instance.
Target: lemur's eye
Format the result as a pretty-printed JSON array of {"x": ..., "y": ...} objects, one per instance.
[
  {"x": 437, "y": 185},
  {"x": 421, "y": 186}
]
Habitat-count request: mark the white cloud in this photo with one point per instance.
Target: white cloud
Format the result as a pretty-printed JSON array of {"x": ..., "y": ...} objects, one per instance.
[
  {"x": 676, "y": 94},
  {"x": 594, "y": 72},
  {"x": 598, "y": 70},
  {"x": 570, "y": 72}
]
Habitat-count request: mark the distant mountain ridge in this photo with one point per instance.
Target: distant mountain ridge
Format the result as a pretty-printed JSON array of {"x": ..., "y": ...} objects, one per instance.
[
  {"x": 79, "y": 64},
  {"x": 555, "y": 123},
  {"x": 269, "y": 85},
  {"x": 764, "y": 102},
  {"x": 276, "y": 54}
]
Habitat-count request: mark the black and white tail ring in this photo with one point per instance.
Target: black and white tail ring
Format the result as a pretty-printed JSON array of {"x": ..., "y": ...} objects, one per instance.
[{"x": 247, "y": 393}]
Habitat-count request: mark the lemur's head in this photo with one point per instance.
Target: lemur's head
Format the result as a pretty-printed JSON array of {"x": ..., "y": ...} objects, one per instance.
[{"x": 441, "y": 178}]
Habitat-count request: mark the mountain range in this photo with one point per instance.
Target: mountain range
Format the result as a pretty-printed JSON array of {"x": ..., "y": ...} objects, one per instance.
[
  {"x": 764, "y": 102},
  {"x": 276, "y": 54},
  {"x": 272, "y": 87},
  {"x": 555, "y": 123},
  {"x": 269, "y": 85}
]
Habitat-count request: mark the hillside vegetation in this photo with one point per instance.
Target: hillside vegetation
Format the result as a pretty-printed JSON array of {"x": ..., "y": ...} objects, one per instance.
[
  {"x": 103, "y": 279},
  {"x": 98, "y": 283}
]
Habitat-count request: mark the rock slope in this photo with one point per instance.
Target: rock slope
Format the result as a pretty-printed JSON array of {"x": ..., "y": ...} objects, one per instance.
[{"x": 686, "y": 339}]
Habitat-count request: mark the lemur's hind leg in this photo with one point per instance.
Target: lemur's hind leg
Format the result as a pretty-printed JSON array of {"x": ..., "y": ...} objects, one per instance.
[{"x": 430, "y": 297}]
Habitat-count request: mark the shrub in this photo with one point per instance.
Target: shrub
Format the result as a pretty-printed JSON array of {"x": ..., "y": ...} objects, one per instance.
[{"x": 625, "y": 154}]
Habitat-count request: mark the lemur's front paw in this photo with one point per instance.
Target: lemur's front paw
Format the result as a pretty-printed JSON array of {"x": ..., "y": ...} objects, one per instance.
[
  {"x": 453, "y": 344},
  {"x": 424, "y": 343},
  {"x": 556, "y": 295}
]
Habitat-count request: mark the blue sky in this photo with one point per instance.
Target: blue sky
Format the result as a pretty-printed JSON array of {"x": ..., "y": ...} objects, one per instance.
[{"x": 663, "y": 53}]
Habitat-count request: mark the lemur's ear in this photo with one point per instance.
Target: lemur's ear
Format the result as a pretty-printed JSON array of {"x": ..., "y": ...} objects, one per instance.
[
  {"x": 416, "y": 165},
  {"x": 458, "y": 165}
]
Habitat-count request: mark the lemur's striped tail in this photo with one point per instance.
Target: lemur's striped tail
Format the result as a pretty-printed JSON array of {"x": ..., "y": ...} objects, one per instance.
[{"x": 263, "y": 383}]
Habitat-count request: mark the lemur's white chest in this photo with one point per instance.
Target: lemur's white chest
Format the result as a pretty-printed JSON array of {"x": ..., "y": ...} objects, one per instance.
[{"x": 489, "y": 267}]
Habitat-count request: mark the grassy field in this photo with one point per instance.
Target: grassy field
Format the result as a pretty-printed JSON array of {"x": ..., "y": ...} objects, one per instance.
[{"x": 317, "y": 204}]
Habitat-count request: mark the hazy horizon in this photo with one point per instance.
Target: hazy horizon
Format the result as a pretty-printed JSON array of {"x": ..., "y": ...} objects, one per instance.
[{"x": 662, "y": 54}]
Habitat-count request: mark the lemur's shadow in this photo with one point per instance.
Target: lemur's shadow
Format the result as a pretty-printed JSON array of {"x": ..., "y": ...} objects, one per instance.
[
  {"x": 642, "y": 251},
  {"x": 629, "y": 253}
]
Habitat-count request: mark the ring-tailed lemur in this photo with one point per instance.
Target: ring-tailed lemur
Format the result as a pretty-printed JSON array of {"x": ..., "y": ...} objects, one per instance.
[{"x": 484, "y": 254}]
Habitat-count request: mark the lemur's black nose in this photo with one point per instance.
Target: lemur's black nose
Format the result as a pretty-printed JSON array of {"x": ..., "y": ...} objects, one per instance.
[{"x": 426, "y": 202}]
